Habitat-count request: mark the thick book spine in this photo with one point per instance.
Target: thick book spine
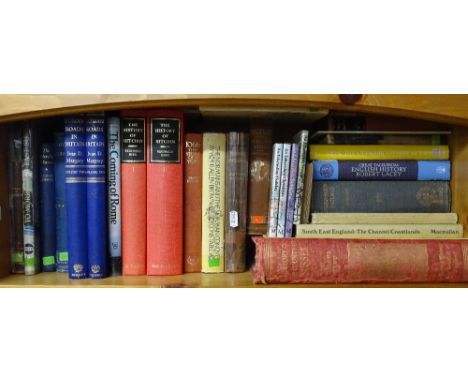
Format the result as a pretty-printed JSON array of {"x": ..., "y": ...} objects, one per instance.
[
  {"x": 133, "y": 131},
  {"x": 275, "y": 185},
  {"x": 283, "y": 195},
  {"x": 193, "y": 171},
  {"x": 381, "y": 170},
  {"x": 61, "y": 247},
  {"x": 302, "y": 139},
  {"x": 213, "y": 202},
  {"x": 381, "y": 196},
  {"x": 237, "y": 169},
  {"x": 165, "y": 186},
  {"x": 307, "y": 199},
  {"x": 96, "y": 195},
  {"x": 76, "y": 197},
  {"x": 384, "y": 218},
  {"x": 114, "y": 219},
  {"x": 371, "y": 152},
  {"x": 15, "y": 194},
  {"x": 47, "y": 207},
  {"x": 31, "y": 223},
  {"x": 261, "y": 144},
  {"x": 359, "y": 261},
  {"x": 292, "y": 187}
]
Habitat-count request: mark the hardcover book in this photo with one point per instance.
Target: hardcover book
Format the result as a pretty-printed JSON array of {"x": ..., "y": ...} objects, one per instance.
[
  {"x": 61, "y": 247},
  {"x": 292, "y": 187},
  {"x": 302, "y": 139},
  {"x": 307, "y": 199},
  {"x": 275, "y": 184},
  {"x": 133, "y": 168},
  {"x": 384, "y": 218},
  {"x": 283, "y": 194},
  {"x": 165, "y": 185}
]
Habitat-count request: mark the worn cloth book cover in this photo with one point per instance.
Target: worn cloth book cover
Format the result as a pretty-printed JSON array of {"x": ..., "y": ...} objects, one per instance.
[
  {"x": 381, "y": 196},
  {"x": 165, "y": 185},
  {"x": 114, "y": 216},
  {"x": 47, "y": 207},
  {"x": 275, "y": 185},
  {"x": 302, "y": 139},
  {"x": 381, "y": 170},
  {"x": 133, "y": 169},
  {"x": 237, "y": 170},
  {"x": 333, "y": 261},
  {"x": 307, "y": 199},
  {"x": 213, "y": 202},
  {"x": 283, "y": 195},
  {"x": 384, "y": 218},
  {"x": 61, "y": 247},
  {"x": 292, "y": 188},
  {"x": 15, "y": 198},
  {"x": 76, "y": 196}
]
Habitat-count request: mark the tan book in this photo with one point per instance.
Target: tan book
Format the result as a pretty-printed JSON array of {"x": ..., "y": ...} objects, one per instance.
[
  {"x": 384, "y": 218},
  {"x": 307, "y": 199}
]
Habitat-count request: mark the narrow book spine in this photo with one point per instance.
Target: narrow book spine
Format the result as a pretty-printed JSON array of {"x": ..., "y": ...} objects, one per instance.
[
  {"x": 237, "y": 169},
  {"x": 307, "y": 200},
  {"x": 15, "y": 161},
  {"x": 302, "y": 139},
  {"x": 381, "y": 170},
  {"x": 213, "y": 202},
  {"x": 133, "y": 131},
  {"x": 96, "y": 195},
  {"x": 47, "y": 207},
  {"x": 275, "y": 184},
  {"x": 31, "y": 228},
  {"x": 76, "y": 197},
  {"x": 114, "y": 219},
  {"x": 61, "y": 247},
  {"x": 292, "y": 186},
  {"x": 193, "y": 202},
  {"x": 283, "y": 196},
  {"x": 165, "y": 215}
]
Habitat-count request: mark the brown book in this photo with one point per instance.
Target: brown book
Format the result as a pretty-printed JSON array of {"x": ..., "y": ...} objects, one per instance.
[
  {"x": 261, "y": 144},
  {"x": 307, "y": 199},
  {"x": 237, "y": 169},
  {"x": 193, "y": 168}
]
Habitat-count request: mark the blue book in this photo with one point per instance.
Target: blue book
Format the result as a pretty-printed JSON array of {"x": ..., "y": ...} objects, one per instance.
[
  {"x": 113, "y": 195},
  {"x": 381, "y": 170},
  {"x": 96, "y": 195},
  {"x": 47, "y": 206},
  {"x": 61, "y": 249},
  {"x": 76, "y": 197}
]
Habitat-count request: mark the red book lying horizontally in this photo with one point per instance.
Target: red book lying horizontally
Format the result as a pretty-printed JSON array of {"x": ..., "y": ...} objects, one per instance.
[{"x": 165, "y": 192}]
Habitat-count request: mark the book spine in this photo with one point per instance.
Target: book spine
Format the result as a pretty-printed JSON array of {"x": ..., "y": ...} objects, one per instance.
[
  {"x": 61, "y": 247},
  {"x": 306, "y": 203},
  {"x": 193, "y": 202},
  {"x": 114, "y": 218},
  {"x": 292, "y": 190},
  {"x": 165, "y": 215},
  {"x": 384, "y": 218},
  {"x": 133, "y": 132},
  {"x": 213, "y": 202},
  {"x": 76, "y": 197},
  {"x": 381, "y": 196},
  {"x": 359, "y": 260},
  {"x": 15, "y": 162},
  {"x": 31, "y": 228},
  {"x": 380, "y": 231},
  {"x": 96, "y": 195},
  {"x": 371, "y": 152},
  {"x": 47, "y": 207},
  {"x": 381, "y": 170},
  {"x": 283, "y": 195},
  {"x": 302, "y": 139},
  {"x": 275, "y": 184},
  {"x": 261, "y": 144},
  {"x": 237, "y": 169}
]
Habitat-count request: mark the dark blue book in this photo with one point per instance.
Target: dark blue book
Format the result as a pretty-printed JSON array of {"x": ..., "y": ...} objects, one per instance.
[
  {"x": 381, "y": 170},
  {"x": 61, "y": 248},
  {"x": 96, "y": 195},
  {"x": 47, "y": 206},
  {"x": 76, "y": 197}
]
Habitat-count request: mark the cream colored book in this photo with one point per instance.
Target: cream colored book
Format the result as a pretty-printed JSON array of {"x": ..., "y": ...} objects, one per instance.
[
  {"x": 380, "y": 231},
  {"x": 384, "y": 218},
  {"x": 213, "y": 202}
]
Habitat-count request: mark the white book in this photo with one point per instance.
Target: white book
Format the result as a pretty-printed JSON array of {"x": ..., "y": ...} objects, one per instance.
[
  {"x": 283, "y": 197},
  {"x": 275, "y": 183}
]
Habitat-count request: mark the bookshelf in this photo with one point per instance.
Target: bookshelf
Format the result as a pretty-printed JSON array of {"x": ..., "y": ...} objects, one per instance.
[{"x": 450, "y": 109}]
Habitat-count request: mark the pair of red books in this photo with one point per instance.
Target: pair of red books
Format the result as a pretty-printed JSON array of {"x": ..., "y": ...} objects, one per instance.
[{"x": 152, "y": 192}]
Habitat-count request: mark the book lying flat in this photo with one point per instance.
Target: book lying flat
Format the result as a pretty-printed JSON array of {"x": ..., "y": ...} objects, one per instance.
[{"x": 384, "y": 218}]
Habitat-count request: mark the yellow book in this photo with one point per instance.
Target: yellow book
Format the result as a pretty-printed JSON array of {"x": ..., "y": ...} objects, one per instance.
[
  {"x": 379, "y": 231},
  {"x": 213, "y": 204},
  {"x": 384, "y": 152},
  {"x": 384, "y": 218}
]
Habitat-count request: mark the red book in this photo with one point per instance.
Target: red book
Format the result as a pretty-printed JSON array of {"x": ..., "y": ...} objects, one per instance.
[
  {"x": 165, "y": 221},
  {"x": 358, "y": 261},
  {"x": 133, "y": 170},
  {"x": 193, "y": 168}
]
